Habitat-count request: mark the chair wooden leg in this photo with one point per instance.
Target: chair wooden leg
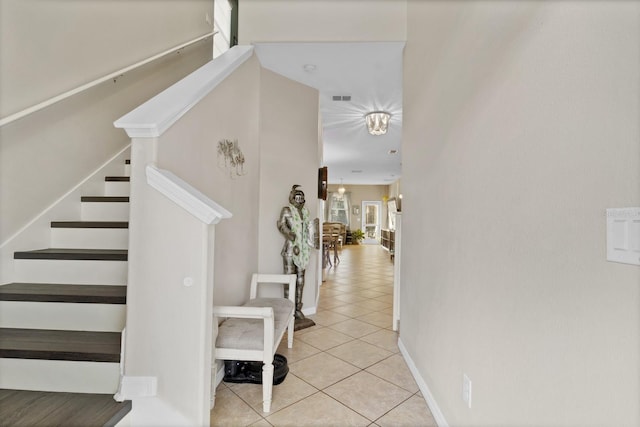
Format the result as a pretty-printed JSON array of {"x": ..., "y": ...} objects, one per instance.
[
  {"x": 292, "y": 325},
  {"x": 214, "y": 381},
  {"x": 267, "y": 386}
]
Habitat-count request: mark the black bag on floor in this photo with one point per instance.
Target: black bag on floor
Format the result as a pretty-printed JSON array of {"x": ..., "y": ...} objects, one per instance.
[{"x": 242, "y": 371}]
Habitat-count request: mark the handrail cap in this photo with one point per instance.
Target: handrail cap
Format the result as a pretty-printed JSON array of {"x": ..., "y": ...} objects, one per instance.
[
  {"x": 158, "y": 114},
  {"x": 186, "y": 196}
]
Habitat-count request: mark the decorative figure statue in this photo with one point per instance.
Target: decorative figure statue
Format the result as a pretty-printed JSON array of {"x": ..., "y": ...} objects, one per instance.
[{"x": 295, "y": 226}]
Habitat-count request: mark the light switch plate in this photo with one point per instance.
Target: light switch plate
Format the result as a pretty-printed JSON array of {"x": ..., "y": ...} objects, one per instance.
[{"x": 623, "y": 235}]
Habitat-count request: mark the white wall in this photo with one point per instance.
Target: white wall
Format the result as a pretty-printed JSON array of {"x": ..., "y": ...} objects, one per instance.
[
  {"x": 221, "y": 24},
  {"x": 169, "y": 324},
  {"x": 520, "y": 129}
]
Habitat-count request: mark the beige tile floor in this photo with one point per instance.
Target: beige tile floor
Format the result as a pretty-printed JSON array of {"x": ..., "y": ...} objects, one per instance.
[{"x": 345, "y": 371}]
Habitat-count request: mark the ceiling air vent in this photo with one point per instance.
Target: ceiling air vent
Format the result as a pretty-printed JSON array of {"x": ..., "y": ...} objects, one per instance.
[
  {"x": 356, "y": 171},
  {"x": 341, "y": 97}
]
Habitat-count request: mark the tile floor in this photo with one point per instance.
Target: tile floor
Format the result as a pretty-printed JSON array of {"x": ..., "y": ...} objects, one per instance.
[{"x": 345, "y": 371}]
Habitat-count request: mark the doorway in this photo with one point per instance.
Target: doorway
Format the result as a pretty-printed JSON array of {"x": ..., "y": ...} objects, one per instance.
[{"x": 371, "y": 216}]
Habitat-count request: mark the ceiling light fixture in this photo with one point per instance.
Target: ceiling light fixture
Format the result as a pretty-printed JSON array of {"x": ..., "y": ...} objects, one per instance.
[
  {"x": 341, "y": 189},
  {"x": 377, "y": 122}
]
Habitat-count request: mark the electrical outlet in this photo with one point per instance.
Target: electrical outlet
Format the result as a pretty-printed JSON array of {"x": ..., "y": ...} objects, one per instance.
[
  {"x": 207, "y": 18},
  {"x": 466, "y": 390}
]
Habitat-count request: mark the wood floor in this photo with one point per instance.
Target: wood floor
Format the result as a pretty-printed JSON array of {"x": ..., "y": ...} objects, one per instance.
[
  {"x": 86, "y": 346},
  {"x": 20, "y": 408},
  {"x": 56, "y": 292}
]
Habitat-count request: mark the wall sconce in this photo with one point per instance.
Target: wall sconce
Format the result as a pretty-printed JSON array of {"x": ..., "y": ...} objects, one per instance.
[
  {"x": 230, "y": 153},
  {"x": 377, "y": 122}
]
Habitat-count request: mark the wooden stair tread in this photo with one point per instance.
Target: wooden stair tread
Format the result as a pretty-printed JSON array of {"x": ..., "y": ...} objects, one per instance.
[
  {"x": 89, "y": 224},
  {"x": 57, "y": 292},
  {"x": 22, "y": 408},
  {"x": 74, "y": 254},
  {"x": 117, "y": 178},
  {"x": 105, "y": 199},
  {"x": 47, "y": 344}
]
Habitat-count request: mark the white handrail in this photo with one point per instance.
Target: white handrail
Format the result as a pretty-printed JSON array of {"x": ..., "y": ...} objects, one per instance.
[
  {"x": 154, "y": 117},
  {"x": 185, "y": 195},
  {"x": 20, "y": 114}
]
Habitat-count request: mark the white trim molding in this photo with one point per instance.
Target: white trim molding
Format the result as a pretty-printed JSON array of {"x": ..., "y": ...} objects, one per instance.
[
  {"x": 155, "y": 116},
  {"x": 186, "y": 196},
  {"x": 431, "y": 401},
  {"x": 134, "y": 387}
]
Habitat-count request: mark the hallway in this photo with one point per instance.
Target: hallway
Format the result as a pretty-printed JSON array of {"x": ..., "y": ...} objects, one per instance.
[{"x": 345, "y": 371}]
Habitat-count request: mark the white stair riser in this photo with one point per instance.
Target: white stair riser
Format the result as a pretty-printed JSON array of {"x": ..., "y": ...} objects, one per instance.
[
  {"x": 73, "y": 272},
  {"x": 72, "y": 376},
  {"x": 104, "y": 211},
  {"x": 59, "y": 375},
  {"x": 126, "y": 421},
  {"x": 62, "y": 316},
  {"x": 116, "y": 188},
  {"x": 90, "y": 238}
]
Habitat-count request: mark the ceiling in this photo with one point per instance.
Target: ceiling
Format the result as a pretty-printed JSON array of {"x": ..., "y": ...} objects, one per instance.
[{"x": 371, "y": 73}]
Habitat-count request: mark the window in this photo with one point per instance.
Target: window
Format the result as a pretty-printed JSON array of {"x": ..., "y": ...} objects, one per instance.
[
  {"x": 225, "y": 22},
  {"x": 339, "y": 208}
]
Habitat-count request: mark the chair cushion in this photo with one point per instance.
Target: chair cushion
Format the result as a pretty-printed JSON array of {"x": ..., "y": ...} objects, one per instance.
[{"x": 248, "y": 334}]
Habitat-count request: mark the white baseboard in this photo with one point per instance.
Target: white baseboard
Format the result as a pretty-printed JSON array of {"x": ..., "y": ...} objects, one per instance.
[
  {"x": 431, "y": 401},
  {"x": 135, "y": 387},
  {"x": 220, "y": 375},
  {"x": 154, "y": 411}
]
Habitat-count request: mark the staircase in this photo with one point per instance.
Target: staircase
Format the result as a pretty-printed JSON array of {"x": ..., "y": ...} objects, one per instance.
[{"x": 62, "y": 318}]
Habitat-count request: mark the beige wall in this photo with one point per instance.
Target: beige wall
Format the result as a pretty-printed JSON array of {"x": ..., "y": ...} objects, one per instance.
[
  {"x": 49, "y": 47},
  {"x": 288, "y": 156},
  {"x": 520, "y": 129},
  {"x": 278, "y": 153},
  {"x": 189, "y": 149},
  {"x": 167, "y": 244},
  {"x": 243, "y": 107},
  {"x": 360, "y": 193},
  {"x": 321, "y": 21},
  {"x": 53, "y": 46}
]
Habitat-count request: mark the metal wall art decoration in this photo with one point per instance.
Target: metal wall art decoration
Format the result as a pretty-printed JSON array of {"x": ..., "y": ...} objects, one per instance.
[{"x": 230, "y": 157}]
